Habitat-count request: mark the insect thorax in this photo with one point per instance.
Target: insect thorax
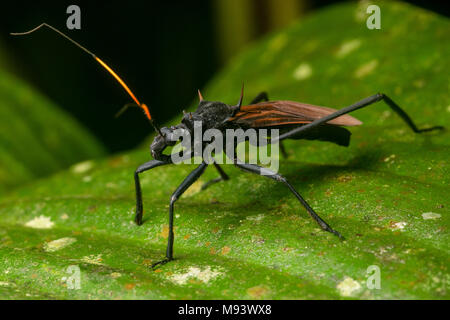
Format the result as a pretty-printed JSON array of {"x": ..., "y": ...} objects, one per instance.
[{"x": 211, "y": 114}]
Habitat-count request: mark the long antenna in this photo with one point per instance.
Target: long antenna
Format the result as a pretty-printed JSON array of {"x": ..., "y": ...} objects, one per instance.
[{"x": 143, "y": 106}]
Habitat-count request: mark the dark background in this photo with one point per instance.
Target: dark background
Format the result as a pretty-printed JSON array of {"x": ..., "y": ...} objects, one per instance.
[{"x": 164, "y": 50}]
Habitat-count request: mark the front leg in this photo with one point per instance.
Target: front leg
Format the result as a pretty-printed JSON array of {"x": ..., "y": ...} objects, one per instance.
[
  {"x": 144, "y": 167},
  {"x": 188, "y": 181}
]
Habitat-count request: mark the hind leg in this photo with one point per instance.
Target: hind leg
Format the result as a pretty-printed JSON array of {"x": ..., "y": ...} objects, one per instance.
[{"x": 358, "y": 105}]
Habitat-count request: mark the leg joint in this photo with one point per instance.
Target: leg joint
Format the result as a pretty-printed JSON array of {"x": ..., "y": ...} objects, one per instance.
[
  {"x": 173, "y": 198},
  {"x": 280, "y": 178}
]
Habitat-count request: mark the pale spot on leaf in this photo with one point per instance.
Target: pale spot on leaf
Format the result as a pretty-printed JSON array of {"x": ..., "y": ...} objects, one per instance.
[
  {"x": 41, "y": 222},
  {"x": 302, "y": 72},
  {"x": 398, "y": 225},
  {"x": 82, "y": 167},
  {"x": 205, "y": 275},
  {"x": 366, "y": 69},
  {"x": 7, "y": 284},
  {"x": 58, "y": 244},
  {"x": 430, "y": 215},
  {"x": 390, "y": 158},
  {"x": 347, "y": 47},
  {"x": 348, "y": 287},
  {"x": 93, "y": 259},
  {"x": 258, "y": 217}
]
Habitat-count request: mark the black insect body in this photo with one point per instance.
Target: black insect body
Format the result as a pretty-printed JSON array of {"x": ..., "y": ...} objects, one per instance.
[
  {"x": 302, "y": 121},
  {"x": 295, "y": 121},
  {"x": 211, "y": 114}
]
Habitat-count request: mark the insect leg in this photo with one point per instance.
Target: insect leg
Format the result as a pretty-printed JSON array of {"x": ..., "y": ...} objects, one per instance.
[
  {"x": 144, "y": 167},
  {"x": 358, "y": 105},
  {"x": 283, "y": 149},
  {"x": 223, "y": 177},
  {"x": 262, "y": 96},
  {"x": 406, "y": 117},
  {"x": 252, "y": 168},
  {"x": 188, "y": 181}
]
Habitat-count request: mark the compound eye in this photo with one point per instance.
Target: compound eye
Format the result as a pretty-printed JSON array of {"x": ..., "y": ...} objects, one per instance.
[
  {"x": 167, "y": 136},
  {"x": 165, "y": 132},
  {"x": 188, "y": 120}
]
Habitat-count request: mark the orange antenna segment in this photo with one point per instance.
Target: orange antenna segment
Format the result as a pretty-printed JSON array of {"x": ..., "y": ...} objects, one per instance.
[{"x": 123, "y": 84}]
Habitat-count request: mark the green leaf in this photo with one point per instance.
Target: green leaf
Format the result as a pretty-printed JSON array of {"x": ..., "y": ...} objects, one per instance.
[
  {"x": 249, "y": 237},
  {"x": 37, "y": 138}
]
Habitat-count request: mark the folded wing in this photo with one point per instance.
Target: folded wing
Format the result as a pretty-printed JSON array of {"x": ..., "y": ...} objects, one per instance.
[{"x": 279, "y": 113}]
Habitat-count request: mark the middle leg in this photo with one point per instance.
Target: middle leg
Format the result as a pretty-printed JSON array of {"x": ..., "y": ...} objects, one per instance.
[
  {"x": 223, "y": 177},
  {"x": 252, "y": 168}
]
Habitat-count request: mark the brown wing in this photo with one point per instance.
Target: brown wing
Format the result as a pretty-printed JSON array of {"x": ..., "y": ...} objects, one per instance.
[{"x": 278, "y": 113}]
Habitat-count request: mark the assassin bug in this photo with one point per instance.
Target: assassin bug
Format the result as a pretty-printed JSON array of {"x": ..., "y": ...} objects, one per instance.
[{"x": 295, "y": 120}]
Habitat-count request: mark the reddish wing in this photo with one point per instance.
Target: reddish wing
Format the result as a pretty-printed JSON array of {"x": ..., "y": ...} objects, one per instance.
[{"x": 277, "y": 113}]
